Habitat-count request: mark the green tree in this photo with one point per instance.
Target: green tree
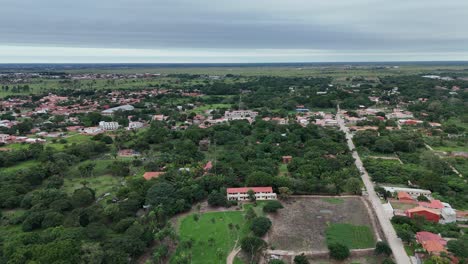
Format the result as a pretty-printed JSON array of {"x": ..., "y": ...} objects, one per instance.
[
  {"x": 252, "y": 246},
  {"x": 382, "y": 248},
  {"x": 251, "y": 195},
  {"x": 338, "y": 251},
  {"x": 260, "y": 226},
  {"x": 301, "y": 259},
  {"x": 216, "y": 198},
  {"x": 250, "y": 214}
]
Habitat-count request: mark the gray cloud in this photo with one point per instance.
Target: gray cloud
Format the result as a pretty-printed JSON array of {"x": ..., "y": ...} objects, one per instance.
[{"x": 351, "y": 25}]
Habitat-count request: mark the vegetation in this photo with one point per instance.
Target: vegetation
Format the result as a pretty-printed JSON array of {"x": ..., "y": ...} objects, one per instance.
[{"x": 350, "y": 235}]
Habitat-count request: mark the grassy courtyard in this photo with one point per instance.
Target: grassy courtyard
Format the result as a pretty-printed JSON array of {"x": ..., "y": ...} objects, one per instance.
[
  {"x": 352, "y": 236},
  {"x": 213, "y": 235}
]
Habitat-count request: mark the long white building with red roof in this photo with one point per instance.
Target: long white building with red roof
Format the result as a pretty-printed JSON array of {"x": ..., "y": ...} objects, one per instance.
[{"x": 240, "y": 194}]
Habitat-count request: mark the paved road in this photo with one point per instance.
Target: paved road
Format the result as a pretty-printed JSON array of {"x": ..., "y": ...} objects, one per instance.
[{"x": 395, "y": 243}]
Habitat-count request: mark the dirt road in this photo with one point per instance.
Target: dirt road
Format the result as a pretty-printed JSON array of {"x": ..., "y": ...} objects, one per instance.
[{"x": 395, "y": 243}]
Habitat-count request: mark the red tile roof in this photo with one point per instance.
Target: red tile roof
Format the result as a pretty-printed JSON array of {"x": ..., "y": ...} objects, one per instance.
[
  {"x": 424, "y": 236},
  {"x": 208, "y": 166},
  {"x": 434, "y": 204},
  {"x": 246, "y": 189},
  {"x": 152, "y": 174},
  {"x": 422, "y": 209},
  {"x": 404, "y": 196},
  {"x": 433, "y": 246}
]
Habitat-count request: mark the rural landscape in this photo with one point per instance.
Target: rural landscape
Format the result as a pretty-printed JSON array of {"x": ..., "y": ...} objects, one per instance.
[{"x": 234, "y": 163}]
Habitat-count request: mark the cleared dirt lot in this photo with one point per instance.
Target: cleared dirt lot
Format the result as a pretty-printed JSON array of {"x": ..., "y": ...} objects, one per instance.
[{"x": 301, "y": 225}]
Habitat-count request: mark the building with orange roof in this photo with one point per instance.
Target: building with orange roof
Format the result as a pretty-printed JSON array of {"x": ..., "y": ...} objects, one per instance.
[
  {"x": 433, "y": 204},
  {"x": 152, "y": 175},
  {"x": 428, "y": 214},
  {"x": 404, "y": 196},
  {"x": 433, "y": 247}
]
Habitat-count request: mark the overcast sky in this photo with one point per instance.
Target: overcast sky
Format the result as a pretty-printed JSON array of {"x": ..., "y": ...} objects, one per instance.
[{"x": 232, "y": 30}]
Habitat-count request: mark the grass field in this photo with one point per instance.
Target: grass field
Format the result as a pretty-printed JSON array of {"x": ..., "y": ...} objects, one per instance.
[
  {"x": 351, "y": 235},
  {"x": 202, "y": 109},
  {"x": 212, "y": 235},
  {"x": 301, "y": 225},
  {"x": 21, "y": 165},
  {"x": 101, "y": 184}
]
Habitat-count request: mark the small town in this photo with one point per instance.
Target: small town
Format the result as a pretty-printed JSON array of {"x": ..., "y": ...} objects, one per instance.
[{"x": 354, "y": 170}]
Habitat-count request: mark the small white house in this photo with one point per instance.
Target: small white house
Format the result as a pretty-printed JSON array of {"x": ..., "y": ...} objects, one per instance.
[
  {"x": 134, "y": 125},
  {"x": 108, "y": 125}
]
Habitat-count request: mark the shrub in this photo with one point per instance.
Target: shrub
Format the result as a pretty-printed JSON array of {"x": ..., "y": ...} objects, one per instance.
[
  {"x": 338, "y": 251},
  {"x": 382, "y": 248},
  {"x": 301, "y": 259},
  {"x": 272, "y": 206}
]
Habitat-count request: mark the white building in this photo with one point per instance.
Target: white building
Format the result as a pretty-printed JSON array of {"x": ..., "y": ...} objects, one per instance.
[
  {"x": 241, "y": 194},
  {"x": 111, "y": 111},
  {"x": 413, "y": 192},
  {"x": 135, "y": 125},
  {"x": 108, "y": 125},
  {"x": 449, "y": 215},
  {"x": 240, "y": 114}
]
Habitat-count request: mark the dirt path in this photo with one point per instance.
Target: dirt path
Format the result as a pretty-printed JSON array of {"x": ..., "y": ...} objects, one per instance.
[
  {"x": 232, "y": 254},
  {"x": 448, "y": 163}
]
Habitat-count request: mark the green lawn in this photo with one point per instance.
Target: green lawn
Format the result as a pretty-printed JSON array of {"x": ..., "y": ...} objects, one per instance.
[
  {"x": 21, "y": 165},
  {"x": 212, "y": 237},
  {"x": 202, "y": 109},
  {"x": 101, "y": 184},
  {"x": 283, "y": 170},
  {"x": 350, "y": 235}
]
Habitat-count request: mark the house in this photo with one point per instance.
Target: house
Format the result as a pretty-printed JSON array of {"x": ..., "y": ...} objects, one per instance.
[
  {"x": 134, "y": 125},
  {"x": 240, "y": 114},
  {"x": 92, "y": 130},
  {"x": 128, "y": 153},
  {"x": 240, "y": 194},
  {"x": 404, "y": 197},
  {"x": 287, "y": 159},
  {"x": 159, "y": 117},
  {"x": 413, "y": 192},
  {"x": 208, "y": 166},
  {"x": 4, "y": 138},
  {"x": 152, "y": 175},
  {"x": 204, "y": 144},
  {"x": 462, "y": 216},
  {"x": 428, "y": 214},
  {"x": 433, "y": 204},
  {"x": 108, "y": 125},
  {"x": 432, "y": 243},
  {"x": 448, "y": 215}
]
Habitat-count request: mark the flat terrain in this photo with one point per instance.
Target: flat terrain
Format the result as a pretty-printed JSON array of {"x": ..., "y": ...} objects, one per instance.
[
  {"x": 353, "y": 236},
  {"x": 302, "y": 224},
  {"x": 212, "y": 236}
]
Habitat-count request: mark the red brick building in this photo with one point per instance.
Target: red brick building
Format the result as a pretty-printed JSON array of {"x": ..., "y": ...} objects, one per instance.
[{"x": 428, "y": 214}]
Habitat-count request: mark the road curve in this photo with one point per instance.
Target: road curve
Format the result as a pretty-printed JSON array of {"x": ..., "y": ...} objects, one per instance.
[{"x": 394, "y": 242}]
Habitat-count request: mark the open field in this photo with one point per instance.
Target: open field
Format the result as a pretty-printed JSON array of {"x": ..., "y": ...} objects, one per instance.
[
  {"x": 101, "y": 184},
  {"x": 351, "y": 235},
  {"x": 212, "y": 235},
  {"x": 302, "y": 224},
  {"x": 202, "y": 109},
  {"x": 22, "y": 165}
]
